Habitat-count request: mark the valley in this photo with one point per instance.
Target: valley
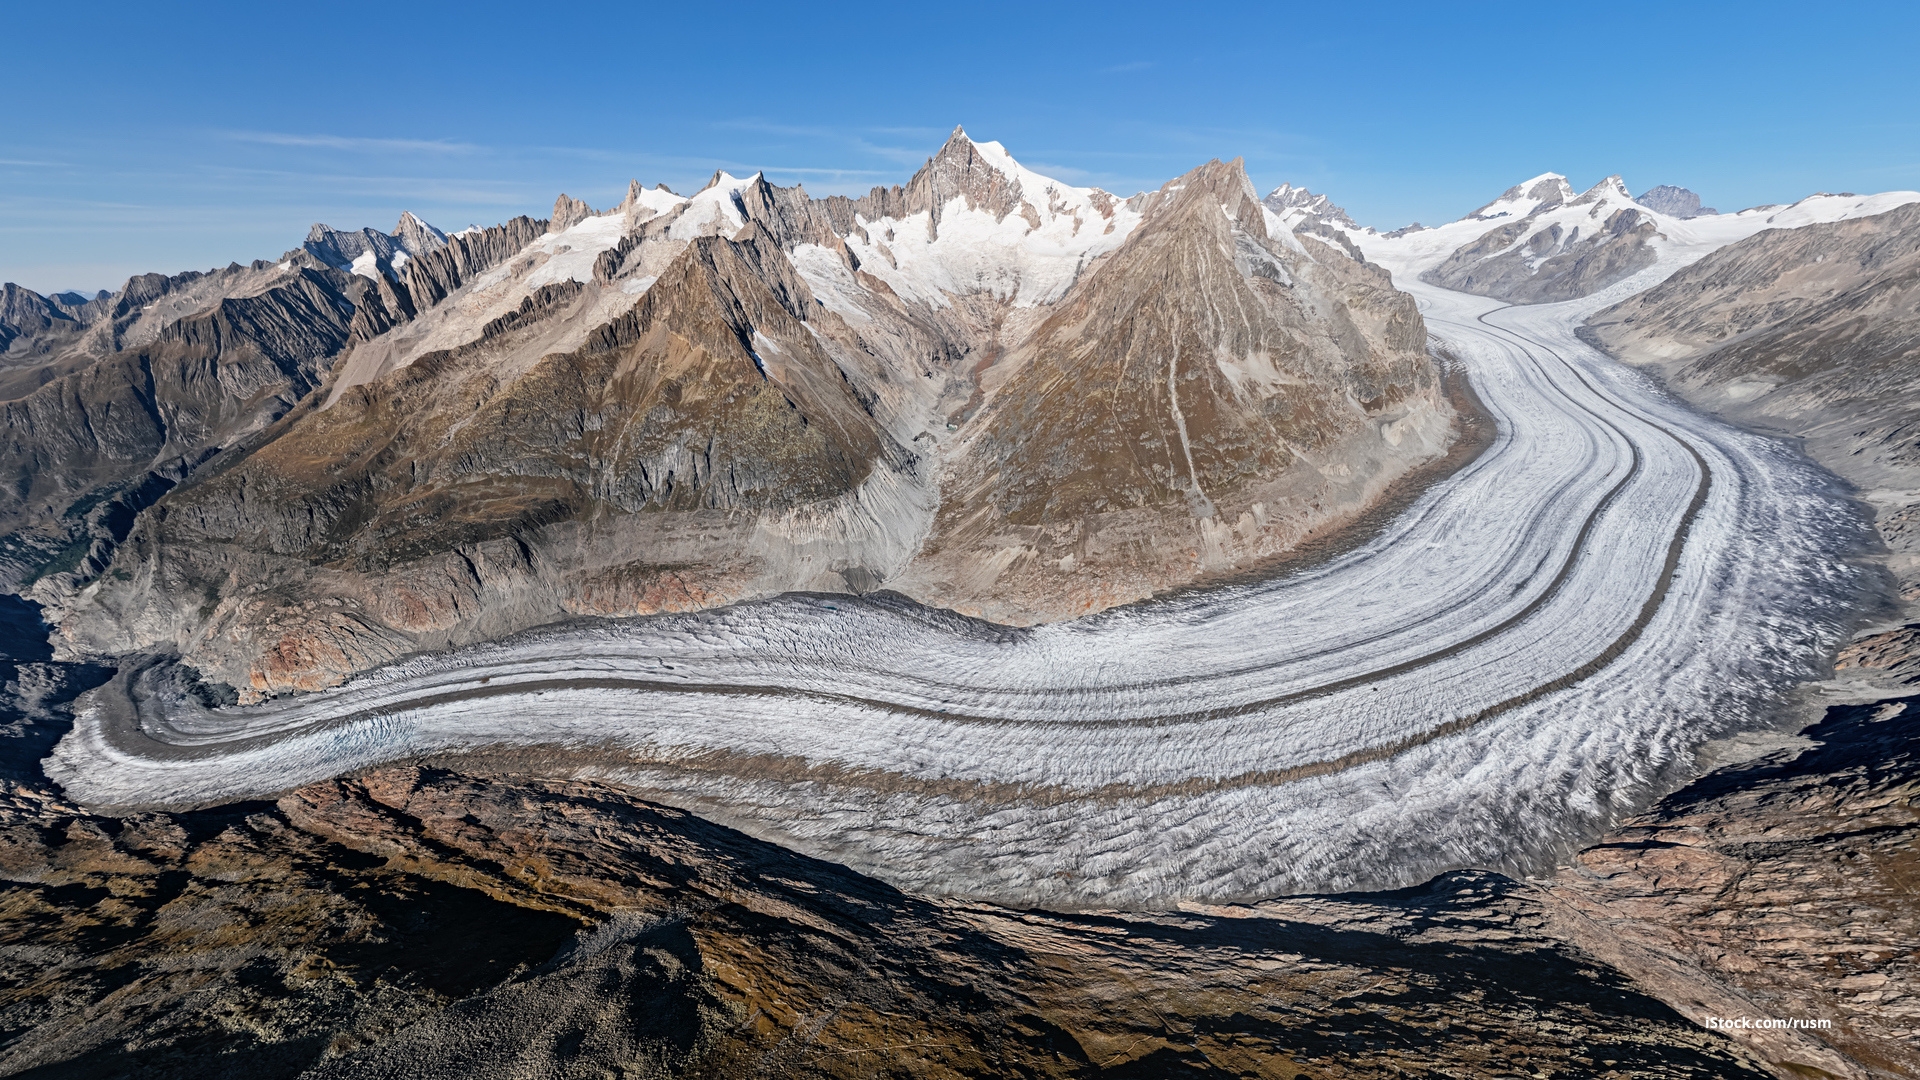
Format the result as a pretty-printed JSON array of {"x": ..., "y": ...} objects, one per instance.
[{"x": 738, "y": 590}]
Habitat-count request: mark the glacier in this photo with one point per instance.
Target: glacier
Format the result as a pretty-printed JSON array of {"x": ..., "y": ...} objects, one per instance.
[{"x": 1527, "y": 653}]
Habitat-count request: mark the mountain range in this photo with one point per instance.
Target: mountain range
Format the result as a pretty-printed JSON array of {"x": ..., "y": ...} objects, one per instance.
[
  {"x": 985, "y": 390},
  {"x": 385, "y": 442}
]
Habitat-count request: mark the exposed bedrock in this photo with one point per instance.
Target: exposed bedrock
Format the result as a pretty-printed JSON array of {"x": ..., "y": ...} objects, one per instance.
[
  {"x": 422, "y": 922},
  {"x": 1205, "y": 397},
  {"x": 701, "y": 448},
  {"x": 986, "y": 389}
]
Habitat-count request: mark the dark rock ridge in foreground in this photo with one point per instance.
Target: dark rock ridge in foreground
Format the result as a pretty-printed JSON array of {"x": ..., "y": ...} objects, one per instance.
[{"x": 419, "y": 922}]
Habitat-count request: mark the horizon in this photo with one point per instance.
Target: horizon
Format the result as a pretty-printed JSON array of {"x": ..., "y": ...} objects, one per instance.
[{"x": 167, "y": 142}]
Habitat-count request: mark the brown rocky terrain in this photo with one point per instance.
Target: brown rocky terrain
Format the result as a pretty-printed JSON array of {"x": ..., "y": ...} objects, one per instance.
[
  {"x": 1177, "y": 412},
  {"x": 420, "y": 922},
  {"x": 983, "y": 389}
]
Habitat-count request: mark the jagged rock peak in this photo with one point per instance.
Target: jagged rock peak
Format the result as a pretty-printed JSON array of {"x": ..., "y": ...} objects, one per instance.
[
  {"x": 568, "y": 212},
  {"x": 416, "y": 235},
  {"x": 1286, "y": 198},
  {"x": 1676, "y": 202}
]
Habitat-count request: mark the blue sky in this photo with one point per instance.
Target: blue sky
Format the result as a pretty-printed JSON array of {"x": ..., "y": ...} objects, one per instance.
[{"x": 138, "y": 138}]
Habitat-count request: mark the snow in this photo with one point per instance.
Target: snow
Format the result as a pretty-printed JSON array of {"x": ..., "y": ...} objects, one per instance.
[
  {"x": 657, "y": 201},
  {"x": 715, "y": 209},
  {"x": 572, "y": 252},
  {"x": 1679, "y": 241},
  {"x": 830, "y": 281},
  {"x": 1009, "y": 257},
  {"x": 1823, "y": 208}
]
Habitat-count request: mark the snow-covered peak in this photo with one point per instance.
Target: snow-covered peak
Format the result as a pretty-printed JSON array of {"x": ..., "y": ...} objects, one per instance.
[
  {"x": 1611, "y": 190},
  {"x": 645, "y": 204},
  {"x": 976, "y": 220},
  {"x": 1821, "y": 207},
  {"x": 714, "y": 209},
  {"x": 1524, "y": 198},
  {"x": 1294, "y": 206}
]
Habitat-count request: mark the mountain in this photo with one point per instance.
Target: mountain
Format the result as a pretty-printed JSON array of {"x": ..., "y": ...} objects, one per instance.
[
  {"x": 985, "y": 388},
  {"x": 1814, "y": 330},
  {"x": 366, "y": 252},
  {"x": 1541, "y": 242},
  {"x": 110, "y": 403},
  {"x": 1222, "y": 401},
  {"x": 1552, "y": 245},
  {"x": 1675, "y": 202}
]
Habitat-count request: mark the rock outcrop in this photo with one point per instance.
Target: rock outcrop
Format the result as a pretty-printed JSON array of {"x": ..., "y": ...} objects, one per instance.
[
  {"x": 1174, "y": 412},
  {"x": 418, "y": 922},
  {"x": 1675, "y": 202}
]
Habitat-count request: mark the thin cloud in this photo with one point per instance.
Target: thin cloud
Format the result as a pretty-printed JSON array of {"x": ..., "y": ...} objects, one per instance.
[
  {"x": 352, "y": 142},
  {"x": 35, "y": 164},
  {"x": 827, "y": 172},
  {"x": 1122, "y": 69}
]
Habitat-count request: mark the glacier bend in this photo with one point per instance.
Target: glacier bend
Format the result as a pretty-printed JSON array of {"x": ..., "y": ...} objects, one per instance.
[{"x": 1518, "y": 659}]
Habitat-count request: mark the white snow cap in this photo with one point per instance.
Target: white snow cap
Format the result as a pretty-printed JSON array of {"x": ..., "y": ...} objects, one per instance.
[
  {"x": 1525, "y": 197},
  {"x": 714, "y": 209},
  {"x": 1010, "y": 256}
]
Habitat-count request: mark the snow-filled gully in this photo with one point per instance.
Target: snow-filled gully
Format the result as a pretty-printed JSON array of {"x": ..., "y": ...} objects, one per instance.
[{"x": 1526, "y": 653}]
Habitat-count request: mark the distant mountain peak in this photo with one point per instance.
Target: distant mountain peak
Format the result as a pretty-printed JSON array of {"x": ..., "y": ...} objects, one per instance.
[
  {"x": 1547, "y": 189},
  {"x": 1305, "y": 204},
  {"x": 1676, "y": 202}
]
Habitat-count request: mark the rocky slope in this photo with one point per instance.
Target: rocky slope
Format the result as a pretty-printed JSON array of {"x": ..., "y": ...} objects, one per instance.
[
  {"x": 1225, "y": 404},
  {"x": 1812, "y": 331},
  {"x": 686, "y": 401}
]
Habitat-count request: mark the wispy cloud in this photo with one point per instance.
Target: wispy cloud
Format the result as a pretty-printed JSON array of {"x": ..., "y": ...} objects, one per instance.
[
  {"x": 354, "y": 142},
  {"x": 1122, "y": 69},
  {"x": 853, "y": 138},
  {"x": 34, "y": 164},
  {"x": 802, "y": 170}
]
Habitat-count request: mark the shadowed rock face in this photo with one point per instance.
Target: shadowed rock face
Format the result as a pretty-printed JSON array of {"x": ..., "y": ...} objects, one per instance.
[
  {"x": 718, "y": 399},
  {"x": 421, "y": 923}
]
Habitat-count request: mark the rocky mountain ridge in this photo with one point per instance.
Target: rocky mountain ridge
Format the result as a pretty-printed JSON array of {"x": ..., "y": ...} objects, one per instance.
[
  {"x": 687, "y": 400},
  {"x": 1549, "y": 244}
]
